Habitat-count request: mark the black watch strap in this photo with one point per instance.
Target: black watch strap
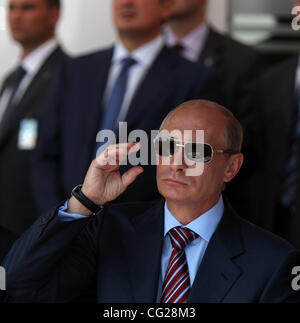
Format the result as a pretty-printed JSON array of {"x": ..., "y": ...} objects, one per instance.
[{"x": 84, "y": 200}]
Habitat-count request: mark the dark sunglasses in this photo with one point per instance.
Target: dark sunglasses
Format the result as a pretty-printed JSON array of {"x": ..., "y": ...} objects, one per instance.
[{"x": 195, "y": 151}]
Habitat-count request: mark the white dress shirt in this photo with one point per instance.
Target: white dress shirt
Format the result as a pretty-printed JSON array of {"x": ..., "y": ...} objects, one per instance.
[
  {"x": 145, "y": 56},
  {"x": 193, "y": 43},
  {"x": 31, "y": 64}
]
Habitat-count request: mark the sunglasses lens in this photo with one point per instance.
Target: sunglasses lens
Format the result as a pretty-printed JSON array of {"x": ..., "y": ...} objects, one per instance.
[
  {"x": 165, "y": 146},
  {"x": 198, "y": 152}
]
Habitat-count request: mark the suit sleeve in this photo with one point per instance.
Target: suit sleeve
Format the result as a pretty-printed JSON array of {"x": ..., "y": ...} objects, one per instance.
[
  {"x": 280, "y": 288},
  {"x": 54, "y": 261},
  {"x": 46, "y": 157}
]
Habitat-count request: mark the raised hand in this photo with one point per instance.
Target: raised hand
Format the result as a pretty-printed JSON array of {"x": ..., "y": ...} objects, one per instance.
[{"x": 103, "y": 182}]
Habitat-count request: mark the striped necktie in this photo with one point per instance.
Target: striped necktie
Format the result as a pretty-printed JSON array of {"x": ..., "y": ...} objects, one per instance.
[{"x": 176, "y": 286}]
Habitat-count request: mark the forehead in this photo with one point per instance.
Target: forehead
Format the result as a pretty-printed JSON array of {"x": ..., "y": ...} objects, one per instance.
[
  {"x": 212, "y": 122},
  {"x": 139, "y": 3},
  {"x": 189, "y": 3},
  {"x": 28, "y": 2}
]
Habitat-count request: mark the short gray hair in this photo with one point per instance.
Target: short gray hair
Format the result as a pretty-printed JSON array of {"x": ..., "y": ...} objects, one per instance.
[{"x": 234, "y": 134}]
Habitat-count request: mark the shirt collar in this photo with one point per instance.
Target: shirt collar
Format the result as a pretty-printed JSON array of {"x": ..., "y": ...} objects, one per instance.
[
  {"x": 193, "y": 43},
  {"x": 32, "y": 62},
  {"x": 144, "y": 55},
  {"x": 205, "y": 225}
]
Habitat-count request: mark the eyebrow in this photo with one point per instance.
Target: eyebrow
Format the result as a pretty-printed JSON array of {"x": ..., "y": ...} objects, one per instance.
[{"x": 23, "y": 6}]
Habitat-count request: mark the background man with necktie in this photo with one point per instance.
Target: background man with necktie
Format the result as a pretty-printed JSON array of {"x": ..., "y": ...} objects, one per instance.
[
  {"x": 138, "y": 81},
  {"x": 278, "y": 100},
  {"x": 189, "y": 247},
  {"x": 22, "y": 98},
  {"x": 238, "y": 67}
]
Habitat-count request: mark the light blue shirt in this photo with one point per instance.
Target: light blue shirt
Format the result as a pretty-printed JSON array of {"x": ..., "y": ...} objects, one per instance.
[{"x": 205, "y": 226}]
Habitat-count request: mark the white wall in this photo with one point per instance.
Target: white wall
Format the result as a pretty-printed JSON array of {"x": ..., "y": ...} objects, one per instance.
[{"x": 85, "y": 25}]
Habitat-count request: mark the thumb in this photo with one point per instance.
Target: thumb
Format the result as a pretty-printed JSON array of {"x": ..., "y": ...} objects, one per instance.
[{"x": 131, "y": 175}]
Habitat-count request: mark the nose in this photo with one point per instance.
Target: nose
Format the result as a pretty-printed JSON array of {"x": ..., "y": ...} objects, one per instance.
[{"x": 177, "y": 162}]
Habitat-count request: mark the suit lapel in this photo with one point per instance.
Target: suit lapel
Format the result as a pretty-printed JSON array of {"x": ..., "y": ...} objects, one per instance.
[
  {"x": 40, "y": 81},
  {"x": 218, "y": 272},
  {"x": 211, "y": 53},
  {"x": 160, "y": 73},
  {"x": 144, "y": 250},
  {"x": 91, "y": 104}
]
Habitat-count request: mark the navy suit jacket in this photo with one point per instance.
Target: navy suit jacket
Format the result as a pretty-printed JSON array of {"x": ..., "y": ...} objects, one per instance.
[
  {"x": 116, "y": 257},
  {"x": 277, "y": 100},
  {"x": 67, "y": 136}
]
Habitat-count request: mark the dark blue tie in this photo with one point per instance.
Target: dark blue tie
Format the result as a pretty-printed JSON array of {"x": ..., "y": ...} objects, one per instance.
[
  {"x": 114, "y": 104},
  {"x": 289, "y": 185},
  {"x": 13, "y": 84}
]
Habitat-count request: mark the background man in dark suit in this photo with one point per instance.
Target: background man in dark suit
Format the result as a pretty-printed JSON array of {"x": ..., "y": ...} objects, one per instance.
[
  {"x": 237, "y": 65},
  {"x": 189, "y": 247},
  {"x": 95, "y": 93},
  {"x": 277, "y": 99},
  {"x": 22, "y": 97}
]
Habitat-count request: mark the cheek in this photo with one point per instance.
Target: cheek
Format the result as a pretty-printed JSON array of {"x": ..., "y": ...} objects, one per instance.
[
  {"x": 161, "y": 171},
  {"x": 33, "y": 20}
]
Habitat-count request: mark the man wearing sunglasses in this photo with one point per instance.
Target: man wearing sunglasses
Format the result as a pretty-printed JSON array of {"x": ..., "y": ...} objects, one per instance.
[{"x": 189, "y": 247}]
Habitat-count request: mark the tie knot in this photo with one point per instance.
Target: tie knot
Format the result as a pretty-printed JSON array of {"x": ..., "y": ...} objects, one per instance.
[
  {"x": 19, "y": 72},
  {"x": 181, "y": 237},
  {"x": 128, "y": 62},
  {"x": 17, "y": 76},
  {"x": 177, "y": 48}
]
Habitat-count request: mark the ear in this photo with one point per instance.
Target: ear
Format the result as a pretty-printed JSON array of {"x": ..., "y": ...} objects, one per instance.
[
  {"x": 234, "y": 164},
  {"x": 55, "y": 14}
]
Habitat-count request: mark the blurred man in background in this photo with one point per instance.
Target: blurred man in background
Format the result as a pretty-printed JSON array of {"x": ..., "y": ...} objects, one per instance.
[
  {"x": 278, "y": 101},
  {"x": 138, "y": 81},
  {"x": 237, "y": 65},
  {"x": 22, "y": 98},
  {"x": 197, "y": 41}
]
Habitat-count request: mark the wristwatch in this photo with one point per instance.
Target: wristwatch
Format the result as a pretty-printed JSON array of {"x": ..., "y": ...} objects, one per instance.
[{"x": 84, "y": 200}]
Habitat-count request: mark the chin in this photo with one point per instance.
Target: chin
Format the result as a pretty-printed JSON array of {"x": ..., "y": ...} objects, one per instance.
[{"x": 172, "y": 195}]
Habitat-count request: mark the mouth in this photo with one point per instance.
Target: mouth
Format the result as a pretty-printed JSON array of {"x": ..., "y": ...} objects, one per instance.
[
  {"x": 173, "y": 181},
  {"x": 127, "y": 13},
  {"x": 16, "y": 28}
]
